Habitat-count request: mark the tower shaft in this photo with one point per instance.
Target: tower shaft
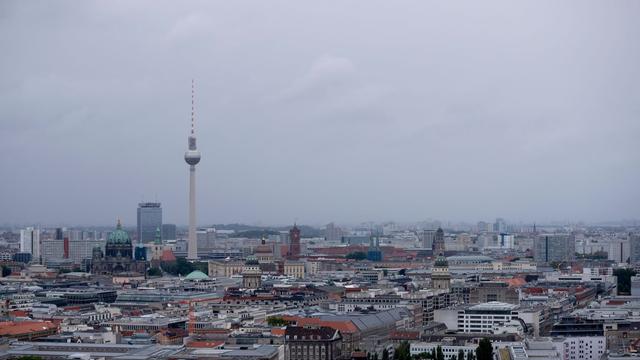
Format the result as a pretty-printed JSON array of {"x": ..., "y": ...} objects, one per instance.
[{"x": 192, "y": 240}]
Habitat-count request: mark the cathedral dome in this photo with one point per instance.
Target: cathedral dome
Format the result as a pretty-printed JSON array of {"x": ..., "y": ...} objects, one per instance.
[
  {"x": 441, "y": 261},
  {"x": 119, "y": 236}
]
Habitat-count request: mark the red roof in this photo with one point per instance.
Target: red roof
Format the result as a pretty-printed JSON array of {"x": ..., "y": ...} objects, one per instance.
[
  {"x": 13, "y": 328},
  {"x": 404, "y": 335},
  {"x": 167, "y": 255},
  {"x": 342, "y": 326}
]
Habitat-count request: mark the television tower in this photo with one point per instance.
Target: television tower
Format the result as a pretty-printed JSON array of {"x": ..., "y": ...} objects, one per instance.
[{"x": 192, "y": 157}]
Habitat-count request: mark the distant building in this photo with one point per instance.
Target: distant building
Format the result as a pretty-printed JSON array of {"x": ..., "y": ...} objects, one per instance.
[
  {"x": 149, "y": 219},
  {"x": 374, "y": 253},
  {"x": 169, "y": 232},
  {"x": 635, "y": 286},
  {"x": 427, "y": 238},
  {"x": 30, "y": 243},
  {"x": 304, "y": 343},
  {"x": 206, "y": 239},
  {"x": 555, "y": 248},
  {"x": 251, "y": 274},
  {"x": 500, "y": 226},
  {"x": 493, "y": 291},
  {"x": 332, "y": 233},
  {"x": 438, "y": 243},
  {"x": 619, "y": 250},
  {"x": 634, "y": 246},
  {"x": 118, "y": 255},
  {"x": 294, "y": 245},
  {"x": 440, "y": 277},
  {"x": 294, "y": 269}
]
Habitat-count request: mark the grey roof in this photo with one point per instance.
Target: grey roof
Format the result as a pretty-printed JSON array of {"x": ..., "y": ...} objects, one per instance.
[{"x": 366, "y": 322}]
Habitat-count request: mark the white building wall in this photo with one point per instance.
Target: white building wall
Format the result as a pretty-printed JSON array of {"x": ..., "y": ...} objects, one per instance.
[{"x": 584, "y": 347}]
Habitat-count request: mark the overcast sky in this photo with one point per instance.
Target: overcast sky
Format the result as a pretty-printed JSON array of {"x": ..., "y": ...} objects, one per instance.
[{"x": 320, "y": 111}]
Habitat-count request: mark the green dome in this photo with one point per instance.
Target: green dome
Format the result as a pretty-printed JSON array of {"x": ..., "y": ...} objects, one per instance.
[
  {"x": 441, "y": 261},
  {"x": 119, "y": 236},
  {"x": 196, "y": 275}
]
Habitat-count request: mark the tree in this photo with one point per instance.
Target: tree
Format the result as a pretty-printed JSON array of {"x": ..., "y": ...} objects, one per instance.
[
  {"x": 624, "y": 280},
  {"x": 454, "y": 357},
  {"x": 180, "y": 267},
  {"x": 154, "y": 271},
  {"x": 461, "y": 354},
  {"x": 356, "y": 255},
  {"x": 6, "y": 271},
  {"x": 276, "y": 321},
  {"x": 484, "y": 351},
  {"x": 385, "y": 354},
  {"x": 402, "y": 351},
  {"x": 439, "y": 353}
]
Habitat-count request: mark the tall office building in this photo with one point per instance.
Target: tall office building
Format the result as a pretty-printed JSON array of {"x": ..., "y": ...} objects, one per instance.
[
  {"x": 169, "y": 232},
  {"x": 634, "y": 247},
  {"x": 438, "y": 243},
  {"x": 192, "y": 157},
  {"x": 500, "y": 226},
  {"x": 555, "y": 248},
  {"x": 149, "y": 219},
  {"x": 30, "y": 243},
  {"x": 619, "y": 250},
  {"x": 59, "y": 234},
  {"x": 332, "y": 233}
]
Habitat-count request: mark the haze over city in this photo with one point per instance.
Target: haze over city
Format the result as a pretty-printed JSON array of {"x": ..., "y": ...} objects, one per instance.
[{"x": 320, "y": 112}]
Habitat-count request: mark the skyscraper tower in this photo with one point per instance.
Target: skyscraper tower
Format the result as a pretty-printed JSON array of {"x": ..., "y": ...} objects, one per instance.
[{"x": 192, "y": 157}]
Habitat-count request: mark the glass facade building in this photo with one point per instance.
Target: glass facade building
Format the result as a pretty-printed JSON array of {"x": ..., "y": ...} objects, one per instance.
[{"x": 149, "y": 220}]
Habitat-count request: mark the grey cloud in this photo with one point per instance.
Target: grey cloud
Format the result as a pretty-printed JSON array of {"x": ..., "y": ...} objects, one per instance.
[{"x": 328, "y": 111}]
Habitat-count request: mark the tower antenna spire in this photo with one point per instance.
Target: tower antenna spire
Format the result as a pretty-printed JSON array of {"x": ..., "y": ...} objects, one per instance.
[{"x": 193, "y": 105}]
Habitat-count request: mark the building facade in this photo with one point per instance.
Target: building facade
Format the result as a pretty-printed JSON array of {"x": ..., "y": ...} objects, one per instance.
[
  {"x": 149, "y": 219},
  {"x": 555, "y": 248},
  {"x": 117, "y": 257},
  {"x": 312, "y": 343}
]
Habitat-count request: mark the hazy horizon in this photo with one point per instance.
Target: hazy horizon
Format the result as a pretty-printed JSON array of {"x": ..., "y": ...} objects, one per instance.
[{"x": 320, "y": 112}]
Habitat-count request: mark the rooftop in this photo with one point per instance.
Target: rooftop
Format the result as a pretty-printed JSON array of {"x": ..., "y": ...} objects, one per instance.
[{"x": 494, "y": 306}]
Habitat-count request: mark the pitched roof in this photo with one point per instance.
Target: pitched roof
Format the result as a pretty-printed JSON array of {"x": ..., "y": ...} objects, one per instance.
[{"x": 308, "y": 333}]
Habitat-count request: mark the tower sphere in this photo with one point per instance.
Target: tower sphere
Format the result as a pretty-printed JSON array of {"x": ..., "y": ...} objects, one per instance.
[{"x": 192, "y": 157}]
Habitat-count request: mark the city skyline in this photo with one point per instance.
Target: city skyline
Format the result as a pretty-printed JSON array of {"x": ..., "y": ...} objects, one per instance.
[{"x": 331, "y": 129}]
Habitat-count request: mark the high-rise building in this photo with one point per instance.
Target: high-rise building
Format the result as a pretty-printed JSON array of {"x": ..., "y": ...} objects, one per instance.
[
  {"x": 619, "y": 250},
  {"x": 438, "y": 243},
  {"x": 30, "y": 243},
  {"x": 374, "y": 253},
  {"x": 206, "y": 239},
  {"x": 149, "y": 219},
  {"x": 294, "y": 242},
  {"x": 500, "y": 226},
  {"x": 333, "y": 233},
  {"x": 634, "y": 247},
  {"x": 427, "y": 238},
  {"x": 192, "y": 157},
  {"x": 169, "y": 232},
  {"x": 59, "y": 234},
  {"x": 555, "y": 248}
]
